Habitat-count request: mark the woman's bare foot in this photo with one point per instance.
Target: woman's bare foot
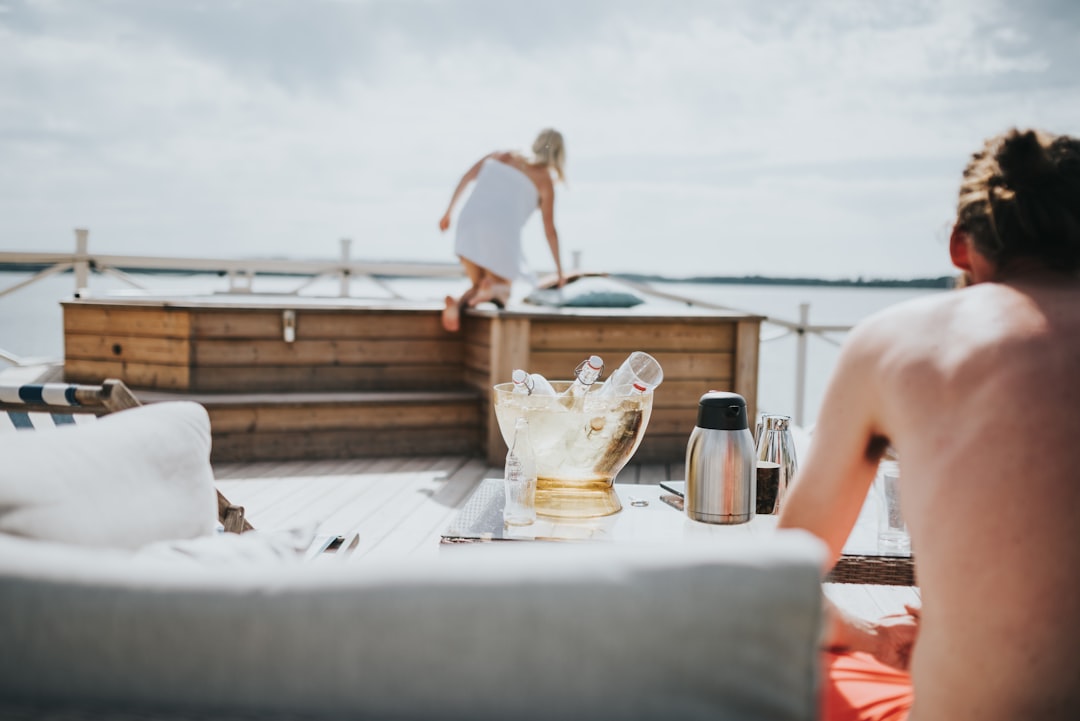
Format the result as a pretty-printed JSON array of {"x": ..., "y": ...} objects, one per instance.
[{"x": 451, "y": 315}]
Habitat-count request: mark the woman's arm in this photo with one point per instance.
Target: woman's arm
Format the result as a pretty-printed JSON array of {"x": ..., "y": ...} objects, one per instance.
[
  {"x": 547, "y": 214},
  {"x": 470, "y": 175}
]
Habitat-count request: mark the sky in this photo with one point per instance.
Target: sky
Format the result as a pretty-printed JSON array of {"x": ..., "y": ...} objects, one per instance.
[{"x": 711, "y": 137}]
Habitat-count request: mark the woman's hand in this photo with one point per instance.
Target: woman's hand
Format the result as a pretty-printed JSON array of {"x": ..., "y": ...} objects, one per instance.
[{"x": 444, "y": 222}]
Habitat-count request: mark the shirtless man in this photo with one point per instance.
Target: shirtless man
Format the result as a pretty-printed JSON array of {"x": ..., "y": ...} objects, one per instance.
[{"x": 978, "y": 390}]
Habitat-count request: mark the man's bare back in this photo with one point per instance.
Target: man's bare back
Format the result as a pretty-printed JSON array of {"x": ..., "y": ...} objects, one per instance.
[
  {"x": 985, "y": 406},
  {"x": 979, "y": 392}
]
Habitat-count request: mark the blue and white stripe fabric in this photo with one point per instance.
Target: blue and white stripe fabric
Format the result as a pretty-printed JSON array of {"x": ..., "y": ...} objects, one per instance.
[{"x": 39, "y": 394}]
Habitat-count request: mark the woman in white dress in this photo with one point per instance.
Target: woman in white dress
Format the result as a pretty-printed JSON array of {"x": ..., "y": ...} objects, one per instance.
[{"x": 509, "y": 187}]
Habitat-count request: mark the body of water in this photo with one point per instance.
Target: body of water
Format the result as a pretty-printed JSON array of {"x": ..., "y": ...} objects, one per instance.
[{"x": 31, "y": 319}]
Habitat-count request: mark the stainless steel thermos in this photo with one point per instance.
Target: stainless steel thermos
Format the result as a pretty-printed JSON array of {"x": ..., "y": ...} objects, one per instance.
[{"x": 721, "y": 481}]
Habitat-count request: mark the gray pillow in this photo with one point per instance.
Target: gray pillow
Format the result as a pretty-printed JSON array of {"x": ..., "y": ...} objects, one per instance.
[
  {"x": 695, "y": 629},
  {"x": 604, "y": 299},
  {"x": 586, "y": 292}
]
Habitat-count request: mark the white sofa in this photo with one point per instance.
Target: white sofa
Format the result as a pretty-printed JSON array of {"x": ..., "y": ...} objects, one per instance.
[{"x": 492, "y": 631}]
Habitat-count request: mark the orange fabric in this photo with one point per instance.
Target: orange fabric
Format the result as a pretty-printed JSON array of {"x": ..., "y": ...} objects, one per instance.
[{"x": 858, "y": 687}]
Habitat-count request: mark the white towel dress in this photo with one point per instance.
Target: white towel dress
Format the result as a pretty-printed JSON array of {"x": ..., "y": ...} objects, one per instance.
[{"x": 489, "y": 226}]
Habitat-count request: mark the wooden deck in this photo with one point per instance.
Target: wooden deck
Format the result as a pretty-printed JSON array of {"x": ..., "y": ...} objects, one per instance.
[{"x": 399, "y": 506}]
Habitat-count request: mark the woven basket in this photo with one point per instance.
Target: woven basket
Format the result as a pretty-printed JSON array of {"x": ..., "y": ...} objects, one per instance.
[{"x": 877, "y": 570}]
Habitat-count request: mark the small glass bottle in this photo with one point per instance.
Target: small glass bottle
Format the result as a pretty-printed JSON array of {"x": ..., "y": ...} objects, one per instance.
[
  {"x": 519, "y": 478},
  {"x": 523, "y": 384},
  {"x": 587, "y": 373}
]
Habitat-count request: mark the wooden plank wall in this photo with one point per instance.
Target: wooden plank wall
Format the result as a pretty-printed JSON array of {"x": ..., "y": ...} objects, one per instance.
[
  {"x": 345, "y": 426},
  {"x": 333, "y": 350},
  {"x": 226, "y": 350},
  {"x": 697, "y": 354},
  {"x": 353, "y": 382},
  {"x": 145, "y": 347},
  {"x": 244, "y": 350}
]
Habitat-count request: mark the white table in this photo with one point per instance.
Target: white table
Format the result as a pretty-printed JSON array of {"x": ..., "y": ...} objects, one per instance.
[
  {"x": 481, "y": 519},
  {"x": 646, "y": 517}
]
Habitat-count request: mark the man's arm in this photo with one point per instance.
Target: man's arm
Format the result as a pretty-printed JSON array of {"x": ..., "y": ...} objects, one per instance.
[
  {"x": 828, "y": 491},
  {"x": 889, "y": 639}
]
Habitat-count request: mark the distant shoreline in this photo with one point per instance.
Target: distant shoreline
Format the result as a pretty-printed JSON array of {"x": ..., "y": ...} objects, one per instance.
[{"x": 943, "y": 282}]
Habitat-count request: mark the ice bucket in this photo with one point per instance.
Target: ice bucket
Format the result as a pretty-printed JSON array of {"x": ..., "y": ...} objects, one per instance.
[{"x": 580, "y": 444}]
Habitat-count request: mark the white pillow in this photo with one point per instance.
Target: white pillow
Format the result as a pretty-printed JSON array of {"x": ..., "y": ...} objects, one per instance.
[{"x": 128, "y": 479}]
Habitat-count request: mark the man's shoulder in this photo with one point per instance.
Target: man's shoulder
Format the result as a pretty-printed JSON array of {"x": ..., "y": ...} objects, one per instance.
[{"x": 926, "y": 312}]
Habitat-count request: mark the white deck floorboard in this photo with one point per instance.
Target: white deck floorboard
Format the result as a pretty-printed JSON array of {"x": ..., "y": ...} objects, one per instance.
[{"x": 400, "y": 507}]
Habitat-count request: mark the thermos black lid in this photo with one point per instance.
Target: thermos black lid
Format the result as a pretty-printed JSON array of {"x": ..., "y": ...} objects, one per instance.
[{"x": 722, "y": 411}]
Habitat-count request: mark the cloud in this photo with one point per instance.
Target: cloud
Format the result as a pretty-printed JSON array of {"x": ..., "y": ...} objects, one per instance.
[{"x": 277, "y": 126}]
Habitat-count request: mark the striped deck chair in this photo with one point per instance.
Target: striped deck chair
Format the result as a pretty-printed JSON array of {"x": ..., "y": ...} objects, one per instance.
[{"x": 48, "y": 405}]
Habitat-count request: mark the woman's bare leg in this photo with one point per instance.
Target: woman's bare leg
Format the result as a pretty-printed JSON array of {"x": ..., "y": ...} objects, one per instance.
[
  {"x": 451, "y": 315},
  {"x": 492, "y": 287}
]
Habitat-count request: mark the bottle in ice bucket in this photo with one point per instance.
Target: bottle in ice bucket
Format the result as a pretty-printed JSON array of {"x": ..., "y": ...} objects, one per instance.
[
  {"x": 519, "y": 478},
  {"x": 587, "y": 373},
  {"x": 523, "y": 385},
  {"x": 639, "y": 368},
  {"x": 540, "y": 385}
]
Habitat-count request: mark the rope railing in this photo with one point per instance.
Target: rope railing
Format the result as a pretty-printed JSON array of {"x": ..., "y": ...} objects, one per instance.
[
  {"x": 802, "y": 329},
  {"x": 240, "y": 274}
]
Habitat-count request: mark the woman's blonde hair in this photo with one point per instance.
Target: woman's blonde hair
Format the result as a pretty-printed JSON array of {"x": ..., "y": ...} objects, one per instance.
[{"x": 548, "y": 148}]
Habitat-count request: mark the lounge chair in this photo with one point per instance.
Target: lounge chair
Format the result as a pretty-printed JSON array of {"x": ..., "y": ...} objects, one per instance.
[{"x": 49, "y": 405}]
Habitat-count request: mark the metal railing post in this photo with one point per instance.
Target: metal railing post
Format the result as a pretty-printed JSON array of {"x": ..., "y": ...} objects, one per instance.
[
  {"x": 800, "y": 362},
  {"x": 346, "y": 247},
  {"x": 82, "y": 261}
]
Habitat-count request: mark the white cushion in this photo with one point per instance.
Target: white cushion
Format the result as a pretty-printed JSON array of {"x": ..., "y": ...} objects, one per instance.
[
  {"x": 132, "y": 477},
  {"x": 494, "y": 631},
  {"x": 224, "y": 549}
]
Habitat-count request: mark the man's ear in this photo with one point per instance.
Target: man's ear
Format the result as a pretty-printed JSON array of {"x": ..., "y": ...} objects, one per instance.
[{"x": 960, "y": 249}]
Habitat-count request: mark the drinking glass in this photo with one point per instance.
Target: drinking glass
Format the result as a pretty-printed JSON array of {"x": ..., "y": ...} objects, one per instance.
[
  {"x": 776, "y": 446},
  {"x": 519, "y": 508},
  {"x": 893, "y": 535}
]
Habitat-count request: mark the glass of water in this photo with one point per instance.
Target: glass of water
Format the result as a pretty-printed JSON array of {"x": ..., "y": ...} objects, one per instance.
[{"x": 893, "y": 535}]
